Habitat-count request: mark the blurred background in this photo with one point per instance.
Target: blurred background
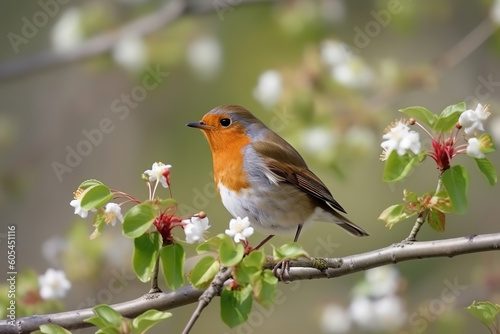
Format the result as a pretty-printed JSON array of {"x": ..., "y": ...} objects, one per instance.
[{"x": 102, "y": 89}]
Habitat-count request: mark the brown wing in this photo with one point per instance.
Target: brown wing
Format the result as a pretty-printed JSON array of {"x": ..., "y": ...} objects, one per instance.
[{"x": 292, "y": 168}]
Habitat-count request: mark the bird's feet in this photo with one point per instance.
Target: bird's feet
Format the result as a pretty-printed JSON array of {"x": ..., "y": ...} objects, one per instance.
[{"x": 282, "y": 274}]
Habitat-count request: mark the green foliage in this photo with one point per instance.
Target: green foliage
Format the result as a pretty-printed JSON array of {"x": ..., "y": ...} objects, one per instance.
[
  {"x": 396, "y": 213},
  {"x": 51, "y": 329},
  {"x": 146, "y": 248},
  {"x": 485, "y": 312},
  {"x": 289, "y": 251},
  {"x": 111, "y": 322},
  {"x": 443, "y": 122},
  {"x": 236, "y": 305},
  {"x": 172, "y": 260},
  {"x": 265, "y": 288},
  {"x": 230, "y": 254},
  {"x": 147, "y": 320},
  {"x": 398, "y": 167},
  {"x": 456, "y": 182},
  {"x": 449, "y": 117},
  {"x": 138, "y": 220},
  {"x": 421, "y": 115},
  {"x": 453, "y": 181},
  {"x": 488, "y": 170},
  {"x": 95, "y": 196},
  {"x": 204, "y": 272}
]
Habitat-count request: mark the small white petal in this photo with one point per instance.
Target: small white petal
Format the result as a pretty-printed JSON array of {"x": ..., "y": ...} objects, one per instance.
[
  {"x": 269, "y": 88},
  {"x": 204, "y": 55},
  {"x": 53, "y": 284},
  {"x": 335, "y": 319},
  {"x": 239, "y": 229},
  {"x": 130, "y": 52},
  {"x": 195, "y": 228},
  {"x": 67, "y": 32},
  {"x": 474, "y": 148},
  {"x": 112, "y": 212},
  {"x": 401, "y": 139}
]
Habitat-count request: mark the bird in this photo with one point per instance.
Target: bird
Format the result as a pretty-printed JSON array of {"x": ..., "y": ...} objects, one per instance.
[{"x": 259, "y": 175}]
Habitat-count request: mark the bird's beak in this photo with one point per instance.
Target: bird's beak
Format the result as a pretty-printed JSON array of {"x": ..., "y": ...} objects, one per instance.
[{"x": 199, "y": 125}]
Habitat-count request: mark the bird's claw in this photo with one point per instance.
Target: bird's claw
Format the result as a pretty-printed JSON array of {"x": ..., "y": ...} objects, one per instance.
[{"x": 283, "y": 274}]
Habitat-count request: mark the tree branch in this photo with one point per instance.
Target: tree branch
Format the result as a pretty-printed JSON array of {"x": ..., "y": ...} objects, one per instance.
[
  {"x": 214, "y": 290},
  {"x": 301, "y": 269},
  {"x": 102, "y": 43}
]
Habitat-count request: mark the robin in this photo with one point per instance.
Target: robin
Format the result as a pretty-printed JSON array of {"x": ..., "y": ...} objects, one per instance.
[{"x": 260, "y": 176}]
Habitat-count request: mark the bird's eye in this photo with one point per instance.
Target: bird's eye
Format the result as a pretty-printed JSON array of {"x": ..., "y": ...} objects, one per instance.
[{"x": 225, "y": 122}]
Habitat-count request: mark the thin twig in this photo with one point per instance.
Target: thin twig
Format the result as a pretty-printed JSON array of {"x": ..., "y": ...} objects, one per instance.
[
  {"x": 466, "y": 45},
  {"x": 154, "y": 279},
  {"x": 214, "y": 290},
  {"x": 350, "y": 264},
  {"x": 418, "y": 224}
]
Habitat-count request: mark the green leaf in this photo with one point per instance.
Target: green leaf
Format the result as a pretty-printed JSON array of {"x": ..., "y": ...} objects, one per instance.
[
  {"x": 398, "y": 167},
  {"x": 95, "y": 196},
  {"x": 99, "y": 223},
  {"x": 488, "y": 170},
  {"x": 212, "y": 243},
  {"x": 51, "y": 329},
  {"x": 449, "y": 117},
  {"x": 172, "y": 260},
  {"x": 436, "y": 220},
  {"x": 395, "y": 214},
  {"x": 229, "y": 253},
  {"x": 204, "y": 272},
  {"x": 147, "y": 320},
  {"x": 289, "y": 251},
  {"x": 90, "y": 183},
  {"x": 105, "y": 317},
  {"x": 247, "y": 270},
  {"x": 166, "y": 203},
  {"x": 486, "y": 312},
  {"x": 146, "y": 248},
  {"x": 421, "y": 114},
  {"x": 456, "y": 182},
  {"x": 264, "y": 289},
  {"x": 235, "y": 305},
  {"x": 138, "y": 220}
]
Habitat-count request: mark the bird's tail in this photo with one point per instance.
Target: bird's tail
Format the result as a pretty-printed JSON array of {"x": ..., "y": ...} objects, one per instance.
[{"x": 348, "y": 225}]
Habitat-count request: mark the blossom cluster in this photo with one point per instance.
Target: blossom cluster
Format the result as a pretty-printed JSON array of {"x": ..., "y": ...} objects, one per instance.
[{"x": 400, "y": 138}]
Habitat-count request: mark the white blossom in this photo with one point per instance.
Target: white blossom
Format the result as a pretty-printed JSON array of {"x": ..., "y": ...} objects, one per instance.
[
  {"x": 239, "y": 229},
  {"x": 472, "y": 120},
  {"x": 269, "y": 88},
  {"x": 158, "y": 173},
  {"x": 333, "y": 52},
  {"x": 77, "y": 204},
  {"x": 204, "y": 55},
  {"x": 335, "y": 319},
  {"x": 194, "y": 229},
  {"x": 319, "y": 140},
  {"x": 474, "y": 148},
  {"x": 130, "y": 52},
  {"x": 67, "y": 32},
  {"x": 353, "y": 73},
  {"x": 382, "y": 280},
  {"x": 53, "y": 284},
  {"x": 401, "y": 139},
  {"x": 112, "y": 212}
]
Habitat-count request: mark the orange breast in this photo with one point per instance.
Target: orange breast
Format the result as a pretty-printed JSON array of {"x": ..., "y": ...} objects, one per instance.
[{"x": 227, "y": 152}]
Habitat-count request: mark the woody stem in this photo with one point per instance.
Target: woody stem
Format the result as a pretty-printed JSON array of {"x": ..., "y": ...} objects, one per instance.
[
  {"x": 154, "y": 279},
  {"x": 416, "y": 227}
]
